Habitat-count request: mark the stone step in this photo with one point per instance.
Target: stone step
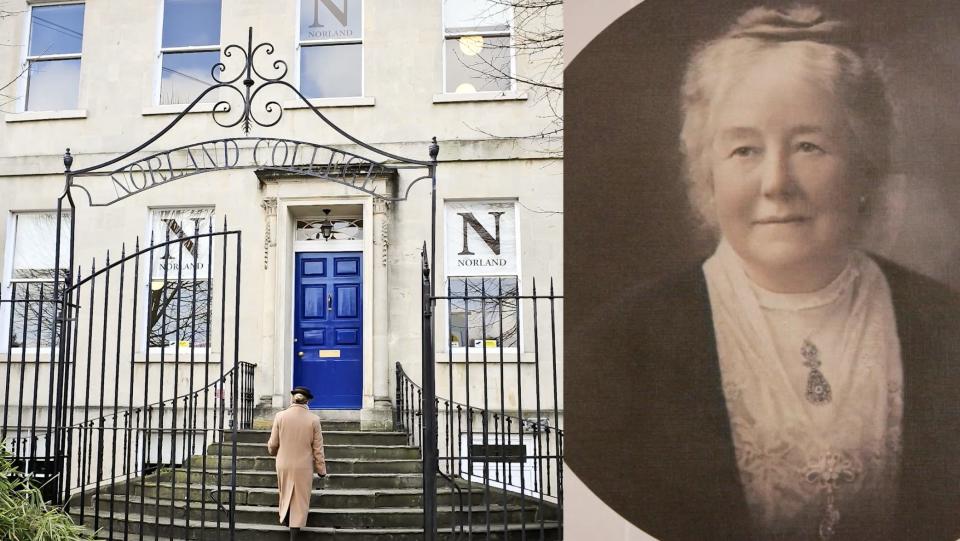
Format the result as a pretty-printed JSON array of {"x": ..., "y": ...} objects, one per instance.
[
  {"x": 178, "y": 531},
  {"x": 331, "y": 498},
  {"x": 342, "y": 465},
  {"x": 396, "y": 517},
  {"x": 331, "y": 437},
  {"x": 329, "y": 451},
  {"x": 255, "y": 478}
]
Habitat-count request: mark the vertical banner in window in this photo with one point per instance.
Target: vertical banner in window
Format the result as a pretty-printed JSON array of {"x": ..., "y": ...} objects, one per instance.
[
  {"x": 330, "y": 19},
  {"x": 179, "y": 314},
  {"x": 177, "y": 260},
  {"x": 331, "y": 48},
  {"x": 481, "y": 238}
]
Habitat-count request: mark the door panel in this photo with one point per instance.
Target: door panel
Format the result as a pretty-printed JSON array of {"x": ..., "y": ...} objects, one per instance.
[{"x": 328, "y": 330}]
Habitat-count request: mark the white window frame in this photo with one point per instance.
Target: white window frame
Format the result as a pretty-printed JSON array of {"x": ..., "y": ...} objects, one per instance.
[
  {"x": 493, "y": 353},
  {"x": 7, "y": 283},
  {"x": 300, "y": 43},
  {"x": 185, "y": 49},
  {"x": 26, "y": 58},
  {"x": 500, "y": 33},
  {"x": 144, "y": 326}
]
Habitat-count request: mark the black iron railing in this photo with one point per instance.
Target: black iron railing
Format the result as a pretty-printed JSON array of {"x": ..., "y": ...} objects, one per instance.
[
  {"x": 123, "y": 388},
  {"x": 130, "y": 453},
  {"x": 528, "y": 474},
  {"x": 499, "y": 427}
]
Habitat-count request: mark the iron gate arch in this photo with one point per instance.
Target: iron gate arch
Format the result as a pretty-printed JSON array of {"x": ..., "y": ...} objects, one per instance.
[{"x": 46, "y": 449}]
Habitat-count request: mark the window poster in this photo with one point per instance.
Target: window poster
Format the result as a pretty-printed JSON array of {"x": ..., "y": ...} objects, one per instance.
[
  {"x": 481, "y": 238},
  {"x": 180, "y": 260}
]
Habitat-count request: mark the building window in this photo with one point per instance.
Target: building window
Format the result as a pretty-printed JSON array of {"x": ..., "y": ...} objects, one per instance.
[
  {"x": 331, "y": 48},
  {"x": 53, "y": 57},
  {"x": 485, "y": 314},
  {"x": 31, "y": 284},
  {"x": 477, "y": 53},
  {"x": 179, "y": 304},
  {"x": 340, "y": 228},
  {"x": 189, "y": 48},
  {"x": 482, "y": 268}
]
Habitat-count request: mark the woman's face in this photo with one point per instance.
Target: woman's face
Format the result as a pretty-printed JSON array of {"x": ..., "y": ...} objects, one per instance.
[{"x": 781, "y": 171}]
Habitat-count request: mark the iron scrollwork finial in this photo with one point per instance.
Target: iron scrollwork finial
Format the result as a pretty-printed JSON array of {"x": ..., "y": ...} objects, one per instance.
[
  {"x": 67, "y": 161},
  {"x": 434, "y": 148},
  {"x": 247, "y": 117}
]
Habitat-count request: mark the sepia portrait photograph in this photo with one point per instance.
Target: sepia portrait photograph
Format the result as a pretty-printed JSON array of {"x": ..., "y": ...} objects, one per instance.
[{"x": 763, "y": 318}]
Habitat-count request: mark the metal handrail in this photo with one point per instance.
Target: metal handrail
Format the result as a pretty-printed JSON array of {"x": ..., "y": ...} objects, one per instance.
[
  {"x": 148, "y": 407},
  {"x": 100, "y": 421},
  {"x": 535, "y": 425}
]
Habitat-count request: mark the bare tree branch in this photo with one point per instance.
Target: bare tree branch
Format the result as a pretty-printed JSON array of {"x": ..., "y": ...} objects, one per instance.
[
  {"x": 536, "y": 42},
  {"x": 19, "y": 75},
  {"x": 6, "y": 99}
]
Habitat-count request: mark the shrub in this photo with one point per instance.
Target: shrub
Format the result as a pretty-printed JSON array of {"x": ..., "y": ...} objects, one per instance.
[{"x": 24, "y": 516}]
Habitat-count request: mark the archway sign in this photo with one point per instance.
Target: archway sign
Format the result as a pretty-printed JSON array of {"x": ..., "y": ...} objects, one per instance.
[
  {"x": 244, "y": 102},
  {"x": 127, "y": 175}
]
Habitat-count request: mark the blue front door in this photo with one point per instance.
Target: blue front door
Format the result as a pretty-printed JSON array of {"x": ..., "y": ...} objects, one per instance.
[{"x": 328, "y": 328}]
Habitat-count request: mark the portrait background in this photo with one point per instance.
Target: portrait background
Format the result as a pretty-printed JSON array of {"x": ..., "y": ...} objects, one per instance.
[{"x": 623, "y": 171}]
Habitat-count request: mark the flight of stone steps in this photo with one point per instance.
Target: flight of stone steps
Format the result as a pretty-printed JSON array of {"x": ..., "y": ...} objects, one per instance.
[{"x": 373, "y": 492}]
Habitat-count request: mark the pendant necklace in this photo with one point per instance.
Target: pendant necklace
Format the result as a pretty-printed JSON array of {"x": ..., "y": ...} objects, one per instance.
[
  {"x": 818, "y": 391},
  {"x": 818, "y": 388}
]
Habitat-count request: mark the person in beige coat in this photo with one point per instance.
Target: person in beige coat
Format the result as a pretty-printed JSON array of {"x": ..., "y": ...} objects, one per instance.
[{"x": 297, "y": 443}]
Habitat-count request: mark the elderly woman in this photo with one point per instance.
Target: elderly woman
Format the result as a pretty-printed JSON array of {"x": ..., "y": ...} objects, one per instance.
[
  {"x": 793, "y": 386},
  {"x": 297, "y": 443}
]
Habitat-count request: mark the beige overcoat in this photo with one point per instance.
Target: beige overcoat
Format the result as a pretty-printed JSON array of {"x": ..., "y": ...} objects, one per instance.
[{"x": 297, "y": 443}]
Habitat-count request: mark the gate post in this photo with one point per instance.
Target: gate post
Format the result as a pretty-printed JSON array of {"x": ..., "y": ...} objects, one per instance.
[{"x": 429, "y": 408}]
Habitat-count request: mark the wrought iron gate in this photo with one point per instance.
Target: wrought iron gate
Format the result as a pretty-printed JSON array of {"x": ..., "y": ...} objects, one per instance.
[
  {"x": 509, "y": 447},
  {"x": 123, "y": 381}
]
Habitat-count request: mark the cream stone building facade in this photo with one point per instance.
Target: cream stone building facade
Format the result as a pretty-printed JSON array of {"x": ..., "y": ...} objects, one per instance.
[{"x": 102, "y": 76}]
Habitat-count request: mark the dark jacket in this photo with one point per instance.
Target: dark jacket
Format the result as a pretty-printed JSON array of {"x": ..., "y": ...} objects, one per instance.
[{"x": 653, "y": 437}]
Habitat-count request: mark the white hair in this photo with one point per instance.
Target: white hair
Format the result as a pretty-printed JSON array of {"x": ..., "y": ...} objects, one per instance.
[{"x": 830, "y": 54}]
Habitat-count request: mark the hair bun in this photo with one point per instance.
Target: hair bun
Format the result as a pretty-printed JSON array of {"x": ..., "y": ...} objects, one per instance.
[{"x": 798, "y": 23}]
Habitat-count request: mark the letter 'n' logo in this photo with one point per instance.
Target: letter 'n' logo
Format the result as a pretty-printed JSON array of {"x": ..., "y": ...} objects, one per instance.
[
  {"x": 174, "y": 227},
  {"x": 492, "y": 241},
  {"x": 339, "y": 14}
]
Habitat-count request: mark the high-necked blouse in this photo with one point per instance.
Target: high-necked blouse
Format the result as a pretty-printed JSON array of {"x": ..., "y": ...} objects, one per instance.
[{"x": 808, "y": 469}]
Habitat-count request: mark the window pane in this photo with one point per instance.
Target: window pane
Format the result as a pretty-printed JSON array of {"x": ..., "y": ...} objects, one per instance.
[
  {"x": 191, "y": 23},
  {"x": 490, "y": 314},
  {"x": 330, "y": 71},
  {"x": 185, "y": 75},
  {"x": 32, "y": 314},
  {"x": 34, "y": 245},
  {"x": 475, "y": 16},
  {"x": 331, "y": 19},
  {"x": 53, "y": 85},
  {"x": 179, "y": 313},
  {"x": 56, "y": 29},
  {"x": 478, "y": 64}
]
